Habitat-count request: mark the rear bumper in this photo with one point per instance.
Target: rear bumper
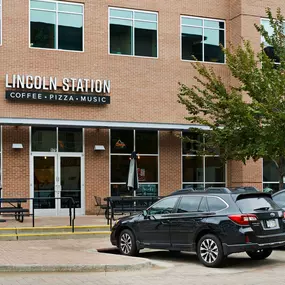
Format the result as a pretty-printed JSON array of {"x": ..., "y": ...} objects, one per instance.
[{"x": 229, "y": 249}]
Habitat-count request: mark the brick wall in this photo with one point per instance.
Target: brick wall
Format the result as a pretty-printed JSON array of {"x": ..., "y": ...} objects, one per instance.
[
  {"x": 142, "y": 89},
  {"x": 96, "y": 167},
  {"x": 16, "y": 180}
]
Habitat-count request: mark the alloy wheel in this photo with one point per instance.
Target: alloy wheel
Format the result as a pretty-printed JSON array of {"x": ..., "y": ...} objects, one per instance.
[
  {"x": 209, "y": 250},
  {"x": 126, "y": 243}
]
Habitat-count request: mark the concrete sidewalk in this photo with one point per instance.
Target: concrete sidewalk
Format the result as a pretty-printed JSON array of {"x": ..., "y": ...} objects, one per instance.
[{"x": 64, "y": 255}]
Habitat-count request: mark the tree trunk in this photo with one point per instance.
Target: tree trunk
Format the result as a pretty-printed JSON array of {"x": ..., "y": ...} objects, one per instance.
[{"x": 281, "y": 172}]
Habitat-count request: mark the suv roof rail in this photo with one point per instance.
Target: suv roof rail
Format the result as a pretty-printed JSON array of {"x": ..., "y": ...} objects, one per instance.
[{"x": 218, "y": 190}]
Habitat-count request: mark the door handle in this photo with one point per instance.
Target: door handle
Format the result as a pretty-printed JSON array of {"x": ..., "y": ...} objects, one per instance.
[{"x": 164, "y": 222}]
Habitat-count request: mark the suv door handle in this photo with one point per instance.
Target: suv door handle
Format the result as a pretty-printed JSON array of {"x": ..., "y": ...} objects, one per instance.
[{"x": 164, "y": 223}]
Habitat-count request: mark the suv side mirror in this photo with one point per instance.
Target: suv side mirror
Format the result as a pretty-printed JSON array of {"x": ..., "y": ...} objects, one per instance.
[{"x": 145, "y": 214}]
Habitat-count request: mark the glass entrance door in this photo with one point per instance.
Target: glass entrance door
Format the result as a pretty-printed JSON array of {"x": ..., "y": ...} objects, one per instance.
[
  {"x": 70, "y": 177},
  {"x": 57, "y": 176},
  {"x": 44, "y": 183}
]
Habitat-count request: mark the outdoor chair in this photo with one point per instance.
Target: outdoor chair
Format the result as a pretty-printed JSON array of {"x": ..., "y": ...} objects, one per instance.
[{"x": 98, "y": 203}]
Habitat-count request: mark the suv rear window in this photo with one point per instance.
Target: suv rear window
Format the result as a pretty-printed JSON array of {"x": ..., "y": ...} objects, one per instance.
[{"x": 253, "y": 204}]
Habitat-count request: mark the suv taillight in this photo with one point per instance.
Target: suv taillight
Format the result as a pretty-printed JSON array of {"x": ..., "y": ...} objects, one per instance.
[{"x": 243, "y": 220}]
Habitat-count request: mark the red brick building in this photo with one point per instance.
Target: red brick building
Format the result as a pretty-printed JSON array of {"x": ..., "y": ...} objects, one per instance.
[{"x": 85, "y": 83}]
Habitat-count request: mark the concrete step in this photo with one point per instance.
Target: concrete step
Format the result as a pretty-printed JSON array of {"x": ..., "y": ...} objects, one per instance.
[{"x": 64, "y": 232}]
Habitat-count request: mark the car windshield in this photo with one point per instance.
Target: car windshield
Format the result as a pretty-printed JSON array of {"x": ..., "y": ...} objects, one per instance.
[{"x": 255, "y": 204}]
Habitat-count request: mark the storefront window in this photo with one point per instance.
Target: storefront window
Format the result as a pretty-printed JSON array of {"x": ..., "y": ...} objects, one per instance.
[
  {"x": 270, "y": 175},
  {"x": 56, "y": 25},
  {"x": 70, "y": 140},
  {"x": 123, "y": 142},
  {"x": 200, "y": 172},
  {"x": 146, "y": 142},
  {"x": 46, "y": 139}
]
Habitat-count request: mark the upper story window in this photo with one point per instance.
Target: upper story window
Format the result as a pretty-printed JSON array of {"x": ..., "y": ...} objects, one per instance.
[
  {"x": 201, "y": 39},
  {"x": 56, "y": 25},
  {"x": 133, "y": 32}
]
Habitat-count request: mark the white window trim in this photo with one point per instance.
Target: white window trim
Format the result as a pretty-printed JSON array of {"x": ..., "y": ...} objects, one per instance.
[
  {"x": 204, "y": 182},
  {"x": 127, "y": 154},
  {"x": 133, "y": 42},
  {"x": 56, "y": 11},
  {"x": 203, "y": 28}
]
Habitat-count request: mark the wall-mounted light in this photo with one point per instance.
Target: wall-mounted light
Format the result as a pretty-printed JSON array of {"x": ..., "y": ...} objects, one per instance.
[
  {"x": 17, "y": 145},
  {"x": 99, "y": 147}
]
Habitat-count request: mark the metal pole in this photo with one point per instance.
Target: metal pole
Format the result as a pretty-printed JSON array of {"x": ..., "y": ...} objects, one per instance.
[
  {"x": 33, "y": 212},
  {"x": 1, "y": 220}
]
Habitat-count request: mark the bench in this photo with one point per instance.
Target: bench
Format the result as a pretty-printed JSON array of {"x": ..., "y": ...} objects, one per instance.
[{"x": 17, "y": 209}]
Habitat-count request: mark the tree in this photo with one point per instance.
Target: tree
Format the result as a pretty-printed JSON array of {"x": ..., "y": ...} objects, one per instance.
[{"x": 247, "y": 120}]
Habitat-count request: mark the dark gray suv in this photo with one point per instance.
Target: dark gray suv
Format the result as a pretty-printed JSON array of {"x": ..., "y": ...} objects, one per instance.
[{"x": 214, "y": 225}]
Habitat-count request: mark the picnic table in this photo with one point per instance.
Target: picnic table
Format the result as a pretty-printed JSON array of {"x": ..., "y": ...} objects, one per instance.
[
  {"x": 118, "y": 205},
  {"x": 14, "y": 207}
]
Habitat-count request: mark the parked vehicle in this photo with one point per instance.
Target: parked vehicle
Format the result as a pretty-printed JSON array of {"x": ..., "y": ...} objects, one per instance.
[
  {"x": 214, "y": 225},
  {"x": 182, "y": 191},
  {"x": 279, "y": 198}
]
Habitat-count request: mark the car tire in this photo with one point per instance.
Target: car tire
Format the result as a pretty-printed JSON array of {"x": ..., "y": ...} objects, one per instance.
[
  {"x": 210, "y": 251},
  {"x": 127, "y": 243},
  {"x": 259, "y": 254}
]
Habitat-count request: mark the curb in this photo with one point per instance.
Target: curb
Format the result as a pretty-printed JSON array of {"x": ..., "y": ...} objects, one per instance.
[{"x": 76, "y": 268}]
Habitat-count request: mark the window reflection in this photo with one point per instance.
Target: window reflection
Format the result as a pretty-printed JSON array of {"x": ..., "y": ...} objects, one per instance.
[
  {"x": 44, "y": 139},
  {"x": 46, "y": 18},
  {"x": 201, "y": 39},
  {"x": 133, "y": 33}
]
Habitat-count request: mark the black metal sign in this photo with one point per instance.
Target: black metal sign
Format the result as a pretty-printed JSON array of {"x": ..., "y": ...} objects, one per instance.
[{"x": 56, "y": 97}]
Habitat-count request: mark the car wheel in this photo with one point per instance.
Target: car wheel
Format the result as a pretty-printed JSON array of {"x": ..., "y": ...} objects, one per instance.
[
  {"x": 259, "y": 254},
  {"x": 210, "y": 251},
  {"x": 127, "y": 243}
]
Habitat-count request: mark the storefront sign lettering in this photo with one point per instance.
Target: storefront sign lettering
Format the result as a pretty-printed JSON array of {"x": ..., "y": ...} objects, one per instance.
[
  {"x": 28, "y": 87},
  {"x": 49, "y": 97}
]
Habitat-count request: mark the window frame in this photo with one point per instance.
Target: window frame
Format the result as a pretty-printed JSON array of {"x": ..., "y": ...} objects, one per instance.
[
  {"x": 174, "y": 210},
  {"x": 203, "y": 28},
  {"x": 57, "y": 11},
  {"x": 55, "y": 151},
  {"x": 133, "y": 27},
  {"x": 192, "y": 196},
  {"x": 128, "y": 155},
  {"x": 204, "y": 157},
  {"x": 219, "y": 198}
]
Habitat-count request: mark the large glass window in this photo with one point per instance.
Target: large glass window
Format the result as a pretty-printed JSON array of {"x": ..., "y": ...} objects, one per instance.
[
  {"x": 45, "y": 139},
  {"x": 145, "y": 143},
  {"x": 200, "y": 172},
  {"x": 201, "y": 39},
  {"x": 270, "y": 175},
  {"x": 56, "y": 25},
  {"x": 133, "y": 32}
]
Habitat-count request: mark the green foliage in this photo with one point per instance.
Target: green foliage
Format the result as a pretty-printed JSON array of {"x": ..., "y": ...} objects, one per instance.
[{"x": 246, "y": 120}]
